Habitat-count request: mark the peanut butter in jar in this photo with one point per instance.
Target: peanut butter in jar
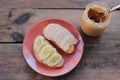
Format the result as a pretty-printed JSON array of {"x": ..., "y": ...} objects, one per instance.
[{"x": 95, "y": 19}]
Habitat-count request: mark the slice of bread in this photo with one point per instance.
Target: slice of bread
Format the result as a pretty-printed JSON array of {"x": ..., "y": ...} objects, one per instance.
[
  {"x": 61, "y": 37},
  {"x": 46, "y": 53}
]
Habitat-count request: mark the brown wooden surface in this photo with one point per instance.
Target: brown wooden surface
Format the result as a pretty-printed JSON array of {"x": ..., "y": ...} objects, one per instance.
[
  {"x": 99, "y": 62},
  {"x": 51, "y": 3},
  {"x": 15, "y": 24},
  {"x": 101, "y": 59}
]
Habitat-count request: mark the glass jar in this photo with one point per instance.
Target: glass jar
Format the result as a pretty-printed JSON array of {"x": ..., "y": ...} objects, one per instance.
[{"x": 91, "y": 27}]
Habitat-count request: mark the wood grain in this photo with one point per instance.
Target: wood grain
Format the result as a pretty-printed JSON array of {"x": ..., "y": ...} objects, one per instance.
[
  {"x": 101, "y": 59},
  {"x": 14, "y": 28},
  {"x": 99, "y": 62},
  {"x": 52, "y": 3}
]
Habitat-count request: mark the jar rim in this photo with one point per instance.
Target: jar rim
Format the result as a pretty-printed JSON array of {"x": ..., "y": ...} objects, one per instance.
[{"x": 101, "y": 4}]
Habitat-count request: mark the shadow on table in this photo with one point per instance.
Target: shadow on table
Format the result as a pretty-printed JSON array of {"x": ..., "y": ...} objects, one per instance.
[{"x": 89, "y": 40}]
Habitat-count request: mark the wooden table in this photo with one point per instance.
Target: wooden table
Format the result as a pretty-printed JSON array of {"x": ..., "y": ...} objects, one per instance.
[{"x": 101, "y": 59}]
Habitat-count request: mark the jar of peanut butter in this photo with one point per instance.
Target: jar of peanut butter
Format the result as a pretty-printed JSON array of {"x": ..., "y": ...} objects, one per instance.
[{"x": 95, "y": 19}]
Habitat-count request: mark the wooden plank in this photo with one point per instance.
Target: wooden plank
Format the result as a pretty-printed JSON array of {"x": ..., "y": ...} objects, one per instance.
[
  {"x": 52, "y": 3},
  {"x": 10, "y": 48},
  {"x": 99, "y": 62},
  {"x": 15, "y": 23},
  {"x": 42, "y": 3}
]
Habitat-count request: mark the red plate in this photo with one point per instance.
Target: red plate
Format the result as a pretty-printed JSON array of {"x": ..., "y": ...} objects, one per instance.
[{"x": 70, "y": 61}]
